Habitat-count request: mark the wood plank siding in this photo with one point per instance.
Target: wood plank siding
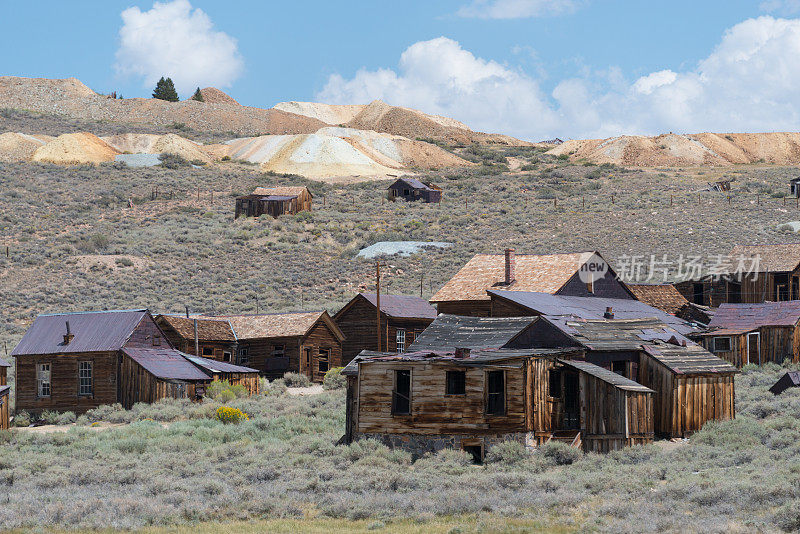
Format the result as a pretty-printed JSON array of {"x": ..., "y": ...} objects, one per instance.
[
  {"x": 138, "y": 385},
  {"x": 773, "y": 344}
]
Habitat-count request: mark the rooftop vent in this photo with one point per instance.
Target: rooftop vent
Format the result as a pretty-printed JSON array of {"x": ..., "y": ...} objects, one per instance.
[
  {"x": 609, "y": 314},
  {"x": 69, "y": 336}
]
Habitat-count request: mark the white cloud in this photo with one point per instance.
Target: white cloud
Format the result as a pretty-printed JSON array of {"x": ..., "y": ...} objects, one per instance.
[
  {"x": 517, "y": 9},
  {"x": 747, "y": 83},
  {"x": 784, "y": 7},
  {"x": 174, "y": 40}
]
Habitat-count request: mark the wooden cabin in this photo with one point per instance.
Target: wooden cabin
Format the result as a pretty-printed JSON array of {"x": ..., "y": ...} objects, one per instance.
[
  {"x": 691, "y": 385},
  {"x": 274, "y": 201},
  {"x": 79, "y": 361},
  {"x": 472, "y": 400},
  {"x": 755, "y": 333},
  {"x": 402, "y": 319},
  {"x": 411, "y": 190},
  {"x": 209, "y": 338},
  {"x": 794, "y": 187},
  {"x": 581, "y": 274},
  {"x": 4, "y": 365},
  {"x": 661, "y": 296},
  {"x": 309, "y": 343}
]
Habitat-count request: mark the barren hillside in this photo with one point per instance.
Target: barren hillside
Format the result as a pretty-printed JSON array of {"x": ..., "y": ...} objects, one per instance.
[{"x": 673, "y": 150}]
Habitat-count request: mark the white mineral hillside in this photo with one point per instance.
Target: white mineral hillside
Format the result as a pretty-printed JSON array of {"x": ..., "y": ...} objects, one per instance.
[{"x": 673, "y": 150}]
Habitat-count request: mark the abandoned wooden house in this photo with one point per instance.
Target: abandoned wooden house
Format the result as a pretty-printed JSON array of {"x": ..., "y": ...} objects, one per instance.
[
  {"x": 771, "y": 273},
  {"x": 524, "y": 303},
  {"x": 209, "y": 338},
  {"x": 308, "y": 343},
  {"x": 662, "y": 296},
  {"x": 79, "y": 361},
  {"x": 794, "y": 187},
  {"x": 755, "y": 333},
  {"x": 402, "y": 319},
  {"x": 274, "y": 201},
  {"x": 474, "y": 399},
  {"x": 5, "y": 394},
  {"x": 581, "y": 274},
  {"x": 691, "y": 385},
  {"x": 4, "y": 365},
  {"x": 411, "y": 189}
]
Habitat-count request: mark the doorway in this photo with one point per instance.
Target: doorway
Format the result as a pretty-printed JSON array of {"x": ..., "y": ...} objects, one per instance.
[
  {"x": 474, "y": 450},
  {"x": 754, "y": 348},
  {"x": 307, "y": 370},
  {"x": 572, "y": 418}
]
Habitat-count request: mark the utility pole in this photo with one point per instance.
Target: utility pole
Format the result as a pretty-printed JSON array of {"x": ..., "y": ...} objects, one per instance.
[
  {"x": 378, "y": 299},
  {"x": 420, "y": 284}
]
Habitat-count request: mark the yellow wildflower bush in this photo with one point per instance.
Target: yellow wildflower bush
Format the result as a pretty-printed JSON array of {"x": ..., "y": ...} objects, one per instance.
[{"x": 226, "y": 414}]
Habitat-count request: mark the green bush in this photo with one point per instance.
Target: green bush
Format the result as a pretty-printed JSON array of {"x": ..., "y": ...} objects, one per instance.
[
  {"x": 274, "y": 388},
  {"x": 559, "y": 453},
  {"x": 224, "y": 391},
  {"x": 49, "y": 418},
  {"x": 507, "y": 453},
  {"x": 333, "y": 379},
  {"x": 22, "y": 419},
  {"x": 229, "y": 415},
  {"x": 296, "y": 380}
]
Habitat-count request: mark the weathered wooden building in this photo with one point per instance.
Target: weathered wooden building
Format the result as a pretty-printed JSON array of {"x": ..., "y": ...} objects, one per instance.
[
  {"x": 790, "y": 379},
  {"x": 309, "y": 343},
  {"x": 209, "y": 338},
  {"x": 691, "y": 385},
  {"x": 463, "y": 331},
  {"x": 5, "y": 394},
  {"x": 402, "y": 319},
  {"x": 79, "y": 361},
  {"x": 274, "y": 201},
  {"x": 234, "y": 374},
  {"x": 411, "y": 190},
  {"x": 472, "y": 400},
  {"x": 581, "y": 274},
  {"x": 755, "y": 333},
  {"x": 4, "y": 366}
]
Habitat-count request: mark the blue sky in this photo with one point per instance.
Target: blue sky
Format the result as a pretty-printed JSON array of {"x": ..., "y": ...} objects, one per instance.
[{"x": 549, "y": 68}]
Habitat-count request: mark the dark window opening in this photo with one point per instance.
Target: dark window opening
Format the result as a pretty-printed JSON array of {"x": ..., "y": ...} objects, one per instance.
[
  {"x": 401, "y": 396},
  {"x": 324, "y": 355},
  {"x": 554, "y": 383},
  {"x": 620, "y": 368},
  {"x": 208, "y": 351},
  {"x": 476, "y": 451},
  {"x": 278, "y": 351},
  {"x": 722, "y": 344},
  {"x": 226, "y": 356},
  {"x": 495, "y": 393},
  {"x": 456, "y": 382},
  {"x": 698, "y": 293}
]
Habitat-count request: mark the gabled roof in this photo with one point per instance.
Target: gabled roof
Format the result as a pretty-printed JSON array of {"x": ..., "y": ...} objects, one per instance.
[
  {"x": 776, "y": 257},
  {"x": 100, "y": 331},
  {"x": 616, "y": 334},
  {"x": 207, "y": 329},
  {"x": 590, "y": 307},
  {"x": 167, "y": 364},
  {"x": 449, "y": 332},
  {"x": 689, "y": 359},
  {"x": 216, "y": 366},
  {"x": 662, "y": 296},
  {"x": 414, "y": 183},
  {"x": 292, "y": 324},
  {"x": 287, "y": 190},
  {"x": 741, "y": 318},
  {"x": 790, "y": 379},
  {"x": 397, "y": 306},
  {"x": 607, "y": 376},
  {"x": 542, "y": 273}
]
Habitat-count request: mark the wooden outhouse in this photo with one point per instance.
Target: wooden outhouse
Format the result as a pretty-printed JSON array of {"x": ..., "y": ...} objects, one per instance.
[
  {"x": 308, "y": 343},
  {"x": 274, "y": 201},
  {"x": 402, "y": 319},
  {"x": 209, "y": 338},
  {"x": 581, "y": 274},
  {"x": 473, "y": 400},
  {"x": 411, "y": 190},
  {"x": 794, "y": 187},
  {"x": 755, "y": 333}
]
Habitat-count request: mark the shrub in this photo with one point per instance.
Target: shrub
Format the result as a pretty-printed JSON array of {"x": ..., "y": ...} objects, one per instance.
[
  {"x": 333, "y": 379},
  {"x": 274, "y": 388},
  {"x": 173, "y": 161},
  {"x": 22, "y": 419},
  {"x": 66, "y": 418},
  {"x": 296, "y": 380},
  {"x": 560, "y": 453},
  {"x": 507, "y": 453},
  {"x": 49, "y": 418},
  {"x": 224, "y": 391},
  {"x": 227, "y": 415}
]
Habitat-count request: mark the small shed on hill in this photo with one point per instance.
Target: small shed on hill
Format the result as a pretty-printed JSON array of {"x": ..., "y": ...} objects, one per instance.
[
  {"x": 4, "y": 365},
  {"x": 152, "y": 374},
  {"x": 402, "y": 318},
  {"x": 209, "y": 338},
  {"x": 755, "y": 333},
  {"x": 274, "y": 201},
  {"x": 411, "y": 189},
  {"x": 794, "y": 187}
]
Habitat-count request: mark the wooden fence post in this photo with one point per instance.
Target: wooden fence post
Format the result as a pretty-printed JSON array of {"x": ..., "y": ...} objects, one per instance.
[
  {"x": 670, "y": 201},
  {"x": 198, "y": 194},
  {"x": 555, "y": 203},
  {"x": 583, "y": 203},
  {"x": 612, "y": 198}
]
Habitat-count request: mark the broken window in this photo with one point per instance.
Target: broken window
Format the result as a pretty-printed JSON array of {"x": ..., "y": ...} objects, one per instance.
[
  {"x": 208, "y": 351},
  {"x": 495, "y": 393},
  {"x": 456, "y": 382},
  {"x": 244, "y": 355},
  {"x": 278, "y": 351},
  {"x": 401, "y": 396},
  {"x": 324, "y": 357}
]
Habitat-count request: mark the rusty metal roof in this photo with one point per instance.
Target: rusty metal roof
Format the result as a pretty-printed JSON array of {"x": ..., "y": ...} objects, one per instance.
[
  {"x": 207, "y": 329},
  {"x": 662, "y": 296},
  {"x": 413, "y": 183},
  {"x": 540, "y": 273},
  {"x": 216, "y": 366},
  {"x": 775, "y": 257},
  {"x": 736, "y": 319},
  {"x": 402, "y": 306},
  {"x": 616, "y": 334},
  {"x": 167, "y": 364},
  {"x": 607, "y": 376},
  {"x": 99, "y": 331},
  {"x": 448, "y": 332}
]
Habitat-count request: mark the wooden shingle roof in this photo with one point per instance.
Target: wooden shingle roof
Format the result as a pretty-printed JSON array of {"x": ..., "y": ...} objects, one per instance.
[
  {"x": 207, "y": 329},
  {"x": 287, "y": 190},
  {"x": 607, "y": 376},
  {"x": 689, "y": 359},
  {"x": 543, "y": 273},
  {"x": 777, "y": 257},
  {"x": 397, "y": 306},
  {"x": 267, "y": 325},
  {"x": 662, "y": 296}
]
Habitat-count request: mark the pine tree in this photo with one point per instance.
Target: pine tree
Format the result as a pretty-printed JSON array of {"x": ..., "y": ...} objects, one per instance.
[
  {"x": 198, "y": 96},
  {"x": 165, "y": 90}
]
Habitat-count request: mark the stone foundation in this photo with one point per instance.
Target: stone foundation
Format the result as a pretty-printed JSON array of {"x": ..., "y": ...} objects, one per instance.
[{"x": 418, "y": 444}]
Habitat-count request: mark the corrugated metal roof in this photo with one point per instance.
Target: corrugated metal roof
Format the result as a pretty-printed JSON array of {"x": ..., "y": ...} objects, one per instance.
[
  {"x": 616, "y": 334},
  {"x": 449, "y": 332},
  {"x": 167, "y": 364},
  {"x": 591, "y": 308},
  {"x": 742, "y": 318},
  {"x": 414, "y": 183},
  {"x": 403, "y": 306},
  {"x": 207, "y": 329},
  {"x": 216, "y": 366},
  {"x": 94, "y": 332},
  {"x": 609, "y": 377}
]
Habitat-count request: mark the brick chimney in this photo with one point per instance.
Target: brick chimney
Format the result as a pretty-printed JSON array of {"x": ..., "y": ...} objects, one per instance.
[
  {"x": 510, "y": 265},
  {"x": 69, "y": 336},
  {"x": 461, "y": 353},
  {"x": 609, "y": 314}
]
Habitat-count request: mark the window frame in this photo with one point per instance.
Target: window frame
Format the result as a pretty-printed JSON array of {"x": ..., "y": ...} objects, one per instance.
[
  {"x": 714, "y": 344},
  {"x": 244, "y": 355},
  {"x": 209, "y": 353},
  {"x": 400, "y": 346},
  {"x": 396, "y": 394},
  {"x": 40, "y": 382},
  {"x": 326, "y": 358},
  {"x": 553, "y": 374},
  {"x": 448, "y": 383},
  {"x": 81, "y": 391},
  {"x": 276, "y": 353},
  {"x": 156, "y": 340},
  {"x": 489, "y": 394}
]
